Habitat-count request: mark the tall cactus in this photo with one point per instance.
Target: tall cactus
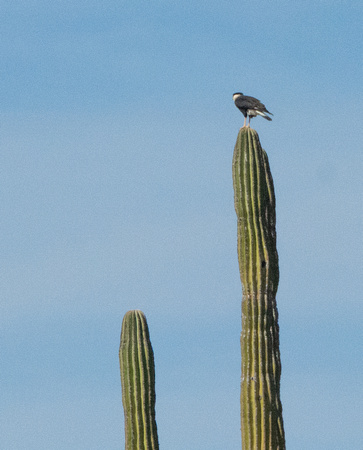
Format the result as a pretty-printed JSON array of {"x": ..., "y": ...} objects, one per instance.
[
  {"x": 261, "y": 410},
  {"x": 138, "y": 383}
]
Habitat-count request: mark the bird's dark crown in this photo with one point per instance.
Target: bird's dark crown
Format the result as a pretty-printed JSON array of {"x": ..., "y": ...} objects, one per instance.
[{"x": 237, "y": 93}]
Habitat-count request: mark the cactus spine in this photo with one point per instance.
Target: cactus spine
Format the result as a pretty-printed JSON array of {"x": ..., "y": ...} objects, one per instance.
[
  {"x": 261, "y": 410},
  {"x": 138, "y": 383}
]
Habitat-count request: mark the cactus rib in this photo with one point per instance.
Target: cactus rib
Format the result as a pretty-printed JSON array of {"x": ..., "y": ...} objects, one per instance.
[
  {"x": 138, "y": 383},
  {"x": 261, "y": 409}
]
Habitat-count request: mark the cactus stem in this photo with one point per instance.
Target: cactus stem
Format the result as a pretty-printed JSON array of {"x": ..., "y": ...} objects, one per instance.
[
  {"x": 261, "y": 410},
  {"x": 138, "y": 383}
]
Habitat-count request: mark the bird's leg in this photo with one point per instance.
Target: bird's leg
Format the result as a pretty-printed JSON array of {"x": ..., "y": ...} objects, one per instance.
[
  {"x": 249, "y": 121},
  {"x": 244, "y": 123}
]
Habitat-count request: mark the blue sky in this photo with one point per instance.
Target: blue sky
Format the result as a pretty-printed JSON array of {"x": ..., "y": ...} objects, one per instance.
[{"x": 117, "y": 129}]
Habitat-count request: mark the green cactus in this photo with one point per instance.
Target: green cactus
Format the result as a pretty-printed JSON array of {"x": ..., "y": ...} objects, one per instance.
[
  {"x": 261, "y": 409},
  {"x": 138, "y": 383}
]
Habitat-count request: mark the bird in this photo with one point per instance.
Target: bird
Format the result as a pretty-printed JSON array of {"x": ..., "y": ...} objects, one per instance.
[{"x": 251, "y": 107}]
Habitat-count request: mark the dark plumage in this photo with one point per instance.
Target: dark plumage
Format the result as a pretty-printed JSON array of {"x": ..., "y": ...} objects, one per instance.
[{"x": 251, "y": 107}]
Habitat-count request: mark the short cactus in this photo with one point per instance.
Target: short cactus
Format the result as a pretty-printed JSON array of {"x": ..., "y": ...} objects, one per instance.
[
  {"x": 138, "y": 383},
  {"x": 261, "y": 410}
]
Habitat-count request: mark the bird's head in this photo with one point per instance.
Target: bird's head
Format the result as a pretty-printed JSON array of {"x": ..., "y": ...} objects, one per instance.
[{"x": 236, "y": 95}]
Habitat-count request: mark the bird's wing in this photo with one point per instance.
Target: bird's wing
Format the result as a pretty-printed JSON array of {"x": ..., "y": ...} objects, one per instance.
[
  {"x": 251, "y": 103},
  {"x": 245, "y": 102}
]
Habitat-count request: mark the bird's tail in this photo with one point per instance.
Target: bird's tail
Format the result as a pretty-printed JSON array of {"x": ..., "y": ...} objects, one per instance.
[{"x": 263, "y": 115}]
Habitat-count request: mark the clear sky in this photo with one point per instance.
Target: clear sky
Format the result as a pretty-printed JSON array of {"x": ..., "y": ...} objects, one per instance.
[{"x": 117, "y": 129}]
